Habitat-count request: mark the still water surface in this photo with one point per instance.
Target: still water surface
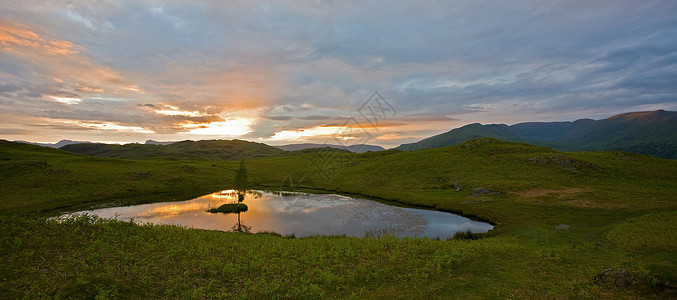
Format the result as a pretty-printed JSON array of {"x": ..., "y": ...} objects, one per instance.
[{"x": 300, "y": 214}]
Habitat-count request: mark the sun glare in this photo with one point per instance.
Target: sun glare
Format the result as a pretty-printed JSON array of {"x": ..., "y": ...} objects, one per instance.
[
  {"x": 67, "y": 100},
  {"x": 132, "y": 88},
  {"x": 109, "y": 126},
  {"x": 225, "y": 194},
  {"x": 286, "y": 135},
  {"x": 230, "y": 127},
  {"x": 185, "y": 113}
]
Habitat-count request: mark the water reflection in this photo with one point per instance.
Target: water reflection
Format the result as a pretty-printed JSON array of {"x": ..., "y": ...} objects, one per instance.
[
  {"x": 235, "y": 206},
  {"x": 239, "y": 227},
  {"x": 300, "y": 214}
]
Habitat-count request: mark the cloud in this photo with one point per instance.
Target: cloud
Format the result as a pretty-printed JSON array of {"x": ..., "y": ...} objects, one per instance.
[
  {"x": 286, "y": 66},
  {"x": 18, "y": 39},
  {"x": 15, "y": 131}
]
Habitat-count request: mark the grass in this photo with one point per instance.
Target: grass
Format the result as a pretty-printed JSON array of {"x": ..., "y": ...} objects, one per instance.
[
  {"x": 652, "y": 232},
  {"x": 616, "y": 204},
  {"x": 86, "y": 257}
]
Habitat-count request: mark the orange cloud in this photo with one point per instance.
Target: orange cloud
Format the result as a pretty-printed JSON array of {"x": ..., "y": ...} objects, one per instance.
[
  {"x": 391, "y": 136},
  {"x": 17, "y": 38},
  {"x": 245, "y": 88},
  {"x": 61, "y": 60},
  {"x": 89, "y": 89},
  {"x": 209, "y": 99},
  {"x": 107, "y": 126},
  {"x": 221, "y": 87}
]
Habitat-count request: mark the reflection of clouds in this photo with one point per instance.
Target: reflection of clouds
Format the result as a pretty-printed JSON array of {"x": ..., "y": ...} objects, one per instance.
[
  {"x": 201, "y": 204},
  {"x": 166, "y": 211},
  {"x": 225, "y": 194},
  {"x": 232, "y": 195},
  {"x": 311, "y": 214},
  {"x": 302, "y": 202}
]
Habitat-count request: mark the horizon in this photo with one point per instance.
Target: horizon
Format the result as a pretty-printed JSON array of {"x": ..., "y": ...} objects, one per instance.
[
  {"x": 291, "y": 73},
  {"x": 289, "y": 144}
]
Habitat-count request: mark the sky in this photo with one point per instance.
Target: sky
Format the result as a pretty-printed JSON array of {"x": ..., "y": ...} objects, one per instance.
[{"x": 338, "y": 72}]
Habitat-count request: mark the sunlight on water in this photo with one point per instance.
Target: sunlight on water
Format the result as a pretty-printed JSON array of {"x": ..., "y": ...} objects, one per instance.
[{"x": 300, "y": 214}]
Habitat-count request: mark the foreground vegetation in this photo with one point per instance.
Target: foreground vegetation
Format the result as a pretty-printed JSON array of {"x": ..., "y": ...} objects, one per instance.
[{"x": 620, "y": 209}]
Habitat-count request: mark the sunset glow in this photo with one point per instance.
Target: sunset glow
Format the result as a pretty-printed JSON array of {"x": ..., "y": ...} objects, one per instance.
[
  {"x": 168, "y": 112},
  {"x": 108, "y": 126},
  {"x": 295, "y": 135},
  {"x": 225, "y": 194},
  {"x": 66, "y": 100},
  {"x": 232, "y": 127},
  {"x": 131, "y": 71}
]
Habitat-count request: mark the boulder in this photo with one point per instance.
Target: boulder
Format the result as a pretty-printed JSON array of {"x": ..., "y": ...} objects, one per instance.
[
  {"x": 479, "y": 191},
  {"x": 617, "y": 278},
  {"x": 562, "y": 227}
]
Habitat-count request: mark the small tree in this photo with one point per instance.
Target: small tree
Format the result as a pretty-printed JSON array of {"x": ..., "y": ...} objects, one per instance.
[{"x": 241, "y": 184}]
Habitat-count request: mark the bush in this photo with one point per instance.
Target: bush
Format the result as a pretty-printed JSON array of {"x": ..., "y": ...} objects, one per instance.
[
  {"x": 230, "y": 208},
  {"x": 466, "y": 235}
]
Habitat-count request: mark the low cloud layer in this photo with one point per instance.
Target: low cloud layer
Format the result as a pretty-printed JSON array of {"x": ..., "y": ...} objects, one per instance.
[{"x": 127, "y": 71}]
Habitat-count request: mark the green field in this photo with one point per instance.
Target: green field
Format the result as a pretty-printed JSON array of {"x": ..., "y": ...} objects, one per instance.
[{"x": 621, "y": 209}]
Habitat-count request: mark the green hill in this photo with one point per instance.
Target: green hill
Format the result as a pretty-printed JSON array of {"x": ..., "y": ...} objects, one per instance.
[
  {"x": 206, "y": 149},
  {"x": 653, "y": 133},
  {"x": 620, "y": 208},
  {"x": 460, "y": 135}
]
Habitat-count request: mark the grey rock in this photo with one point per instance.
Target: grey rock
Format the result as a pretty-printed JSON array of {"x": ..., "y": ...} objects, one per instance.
[
  {"x": 617, "y": 278},
  {"x": 480, "y": 191},
  {"x": 562, "y": 227},
  {"x": 538, "y": 160}
]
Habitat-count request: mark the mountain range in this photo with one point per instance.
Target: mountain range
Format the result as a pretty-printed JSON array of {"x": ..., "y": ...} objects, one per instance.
[
  {"x": 652, "y": 132},
  {"x": 359, "y": 148},
  {"x": 207, "y": 149},
  {"x": 58, "y": 144}
]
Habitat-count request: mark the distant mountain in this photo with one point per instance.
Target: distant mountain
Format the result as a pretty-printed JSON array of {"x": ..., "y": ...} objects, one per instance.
[
  {"x": 653, "y": 133},
  {"x": 207, "y": 149},
  {"x": 152, "y": 142},
  {"x": 460, "y": 135},
  {"x": 359, "y": 148},
  {"x": 58, "y": 144}
]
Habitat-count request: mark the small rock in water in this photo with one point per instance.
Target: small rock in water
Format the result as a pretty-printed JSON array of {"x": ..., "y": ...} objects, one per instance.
[{"x": 562, "y": 227}]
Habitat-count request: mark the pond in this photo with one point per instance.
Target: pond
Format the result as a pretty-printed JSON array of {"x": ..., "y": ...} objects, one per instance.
[{"x": 299, "y": 214}]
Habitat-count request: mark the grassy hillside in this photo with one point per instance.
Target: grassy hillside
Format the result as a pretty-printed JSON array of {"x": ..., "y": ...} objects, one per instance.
[
  {"x": 37, "y": 179},
  {"x": 462, "y": 134},
  {"x": 653, "y": 133},
  {"x": 358, "y": 148},
  {"x": 620, "y": 208},
  {"x": 208, "y": 149}
]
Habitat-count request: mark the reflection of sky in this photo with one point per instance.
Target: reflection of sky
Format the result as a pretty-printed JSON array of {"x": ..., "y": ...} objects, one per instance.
[{"x": 302, "y": 215}]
